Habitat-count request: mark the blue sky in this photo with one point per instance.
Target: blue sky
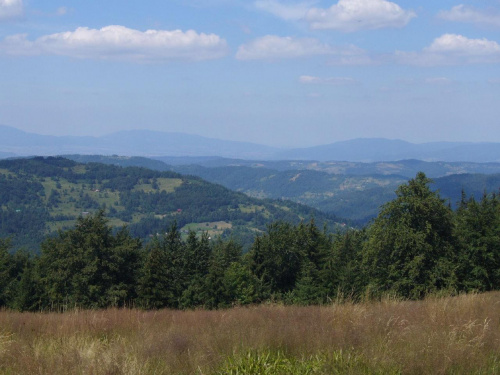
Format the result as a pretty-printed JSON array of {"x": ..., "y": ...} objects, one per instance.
[{"x": 282, "y": 73}]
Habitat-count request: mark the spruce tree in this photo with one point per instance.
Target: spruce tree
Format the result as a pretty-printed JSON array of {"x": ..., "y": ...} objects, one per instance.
[
  {"x": 154, "y": 289},
  {"x": 478, "y": 234},
  {"x": 6, "y": 268},
  {"x": 410, "y": 244}
]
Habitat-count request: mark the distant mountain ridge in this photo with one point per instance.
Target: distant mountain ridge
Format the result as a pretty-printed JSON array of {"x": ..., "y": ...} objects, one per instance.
[
  {"x": 381, "y": 149},
  {"x": 14, "y": 142},
  {"x": 129, "y": 143}
]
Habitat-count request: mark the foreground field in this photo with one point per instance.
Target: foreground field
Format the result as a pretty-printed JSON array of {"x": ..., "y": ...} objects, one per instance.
[{"x": 458, "y": 335}]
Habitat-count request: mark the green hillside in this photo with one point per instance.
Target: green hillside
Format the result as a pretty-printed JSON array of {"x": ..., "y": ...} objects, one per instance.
[
  {"x": 350, "y": 190},
  {"x": 42, "y": 195}
]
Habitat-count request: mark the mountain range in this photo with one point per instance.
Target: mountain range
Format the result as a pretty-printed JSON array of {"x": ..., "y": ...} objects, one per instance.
[{"x": 15, "y": 142}]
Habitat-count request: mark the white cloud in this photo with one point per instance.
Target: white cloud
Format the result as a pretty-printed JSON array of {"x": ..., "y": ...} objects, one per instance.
[
  {"x": 272, "y": 47},
  {"x": 121, "y": 43},
  {"x": 353, "y": 15},
  {"x": 10, "y": 9},
  {"x": 453, "y": 49},
  {"x": 289, "y": 12},
  {"x": 336, "y": 81},
  {"x": 467, "y": 14},
  {"x": 453, "y": 43}
]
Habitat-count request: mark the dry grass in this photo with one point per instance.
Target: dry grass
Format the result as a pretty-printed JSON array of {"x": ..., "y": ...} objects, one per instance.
[{"x": 459, "y": 335}]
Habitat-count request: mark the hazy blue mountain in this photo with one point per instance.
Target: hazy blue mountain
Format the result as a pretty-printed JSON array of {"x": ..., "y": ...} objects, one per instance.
[
  {"x": 185, "y": 146},
  {"x": 378, "y": 149},
  {"x": 4, "y": 155},
  {"x": 133, "y": 142}
]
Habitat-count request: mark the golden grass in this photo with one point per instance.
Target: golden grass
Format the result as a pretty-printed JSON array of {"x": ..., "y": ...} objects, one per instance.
[{"x": 452, "y": 335}]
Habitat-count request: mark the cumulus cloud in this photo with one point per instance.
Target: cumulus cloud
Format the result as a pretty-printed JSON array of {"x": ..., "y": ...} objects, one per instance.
[
  {"x": 336, "y": 81},
  {"x": 468, "y": 14},
  {"x": 354, "y": 15},
  {"x": 272, "y": 47},
  {"x": 120, "y": 43},
  {"x": 288, "y": 11},
  {"x": 451, "y": 49},
  {"x": 10, "y": 9},
  {"x": 453, "y": 43}
]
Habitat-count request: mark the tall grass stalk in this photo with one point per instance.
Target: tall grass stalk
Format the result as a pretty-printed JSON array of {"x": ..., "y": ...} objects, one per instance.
[{"x": 440, "y": 335}]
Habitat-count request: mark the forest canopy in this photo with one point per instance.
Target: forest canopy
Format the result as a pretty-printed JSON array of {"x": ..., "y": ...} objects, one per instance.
[{"x": 417, "y": 245}]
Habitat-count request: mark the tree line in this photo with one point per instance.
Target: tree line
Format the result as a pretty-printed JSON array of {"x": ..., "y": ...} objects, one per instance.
[{"x": 416, "y": 245}]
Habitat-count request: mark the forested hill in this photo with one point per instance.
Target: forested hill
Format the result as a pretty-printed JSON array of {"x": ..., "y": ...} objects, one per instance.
[
  {"x": 41, "y": 195},
  {"x": 407, "y": 168},
  {"x": 355, "y": 197},
  {"x": 350, "y": 190}
]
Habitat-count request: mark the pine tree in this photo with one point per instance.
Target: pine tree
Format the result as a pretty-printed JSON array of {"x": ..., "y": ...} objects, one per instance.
[
  {"x": 478, "y": 233},
  {"x": 224, "y": 253},
  {"x": 197, "y": 258},
  {"x": 6, "y": 265},
  {"x": 154, "y": 290},
  {"x": 410, "y": 244},
  {"x": 343, "y": 273},
  {"x": 85, "y": 266},
  {"x": 276, "y": 257}
]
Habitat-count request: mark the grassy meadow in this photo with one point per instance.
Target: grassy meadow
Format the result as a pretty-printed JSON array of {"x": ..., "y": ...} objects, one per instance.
[{"x": 440, "y": 335}]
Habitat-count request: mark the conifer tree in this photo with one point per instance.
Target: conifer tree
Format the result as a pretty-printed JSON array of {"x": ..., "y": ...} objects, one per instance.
[
  {"x": 478, "y": 234},
  {"x": 84, "y": 266},
  {"x": 6, "y": 266},
  {"x": 28, "y": 294},
  {"x": 344, "y": 277},
  {"x": 275, "y": 258},
  {"x": 410, "y": 244},
  {"x": 197, "y": 258},
  {"x": 154, "y": 290},
  {"x": 224, "y": 253}
]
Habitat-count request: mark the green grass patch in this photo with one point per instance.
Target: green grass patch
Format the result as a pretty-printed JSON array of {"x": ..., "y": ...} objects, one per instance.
[
  {"x": 214, "y": 228},
  {"x": 279, "y": 363},
  {"x": 163, "y": 184},
  {"x": 250, "y": 209},
  {"x": 7, "y": 172},
  {"x": 80, "y": 169}
]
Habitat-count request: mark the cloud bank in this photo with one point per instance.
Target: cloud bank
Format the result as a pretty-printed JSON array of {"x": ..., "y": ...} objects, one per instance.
[
  {"x": 121, "y": 43},
  {"x": 346, "y": 15},
  {"x": 354, "y": 15},
  {"x": 453, "y": 49},
  {"x": 273, "y": 47},
  {"x": 468, "y": 14},
  {"x": 10, "y": 9}
]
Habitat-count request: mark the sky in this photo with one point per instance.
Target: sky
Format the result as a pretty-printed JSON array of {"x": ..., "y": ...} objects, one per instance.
[{"x": 274, "y": 72}]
